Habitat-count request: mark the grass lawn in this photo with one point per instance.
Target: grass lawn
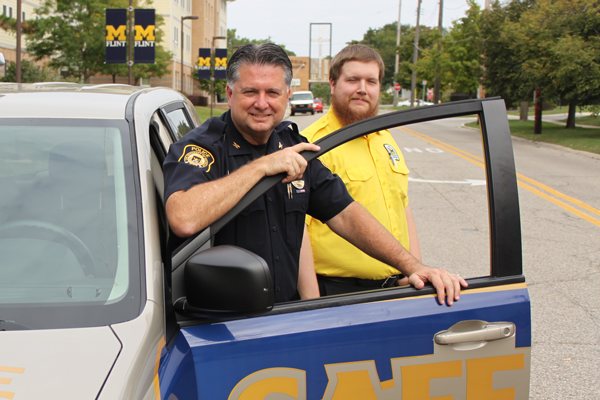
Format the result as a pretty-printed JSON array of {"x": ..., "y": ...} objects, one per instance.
[
  {"x": 204, "y": 112},
  {"x": 585, "y": 139},
  {"x": 589, "y": 120},
  {"x": 531, "y": 111}
]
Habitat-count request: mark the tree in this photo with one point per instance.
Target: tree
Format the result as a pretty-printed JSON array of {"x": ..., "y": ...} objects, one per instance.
[
  {"x": 427, "y": 38},
  {"x": 234, "y": 41},
  {"x": 29, "y": 73},
  {"x": 530, "y": 44},
  {"x": 463, "y": 49},
  {"x": 561, "y": 51},
  {"x": 384, "y": 41},
  {"x": 71, "y": 35},
  {"x": 503, "y": 62},
  {"x": 322, "y": 91}
]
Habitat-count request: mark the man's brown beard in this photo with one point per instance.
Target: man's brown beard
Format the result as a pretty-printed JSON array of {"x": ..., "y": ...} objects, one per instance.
[{"x": 347, "y": 116}]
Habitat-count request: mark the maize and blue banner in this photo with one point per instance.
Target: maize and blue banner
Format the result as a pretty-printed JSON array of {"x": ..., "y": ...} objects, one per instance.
[
  {"x": 220, "y": 63},
  {"x": 145, "y": 26},
  {"x": 116, "y": 36},
  {"x": 204, "y": 63}
]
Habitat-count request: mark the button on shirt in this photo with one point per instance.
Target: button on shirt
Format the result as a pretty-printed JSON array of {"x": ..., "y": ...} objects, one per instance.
[
  {"x": 273, "y": 225},
  {"x": 373, "y": 169}
]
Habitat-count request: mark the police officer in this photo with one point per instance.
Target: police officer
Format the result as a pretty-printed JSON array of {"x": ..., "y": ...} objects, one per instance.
[{"x": 213, "y": 166}]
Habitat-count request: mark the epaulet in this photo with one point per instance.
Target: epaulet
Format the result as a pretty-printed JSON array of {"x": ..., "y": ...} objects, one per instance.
[
  {"x": 287, "y": 127},
  {"x": 216, "y": 126}
]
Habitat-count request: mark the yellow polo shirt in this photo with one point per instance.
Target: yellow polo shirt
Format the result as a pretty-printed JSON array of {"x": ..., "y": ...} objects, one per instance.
[{"x": 373, "y": 169}]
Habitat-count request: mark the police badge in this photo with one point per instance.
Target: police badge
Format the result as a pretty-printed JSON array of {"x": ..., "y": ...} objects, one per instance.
[{"x": 197, "y": 156}]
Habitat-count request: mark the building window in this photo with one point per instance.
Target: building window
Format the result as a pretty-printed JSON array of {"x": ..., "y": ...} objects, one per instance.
[
  {"x": 177, "y": 1},
  {"x": 7, "y": 10},
  {"x": 175, "y": 35},
  {"x": 22, "y": 15},
  {"x": 188, "y": 45}
]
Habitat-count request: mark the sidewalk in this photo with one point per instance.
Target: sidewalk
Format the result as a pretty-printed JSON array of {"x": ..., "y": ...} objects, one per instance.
[{"x": 554, "y": 119}]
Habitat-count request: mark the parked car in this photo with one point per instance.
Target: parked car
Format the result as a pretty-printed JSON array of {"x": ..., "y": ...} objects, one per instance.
[
  {"x": 302, "y": 102},
  {"x": 318, "y": 105},
  {"x": 417, "y": 103},
  {"x": 93, "y": 306}
]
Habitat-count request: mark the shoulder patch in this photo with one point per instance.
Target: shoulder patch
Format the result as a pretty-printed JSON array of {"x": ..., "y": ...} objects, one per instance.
[{"x": 198, "y": 157}]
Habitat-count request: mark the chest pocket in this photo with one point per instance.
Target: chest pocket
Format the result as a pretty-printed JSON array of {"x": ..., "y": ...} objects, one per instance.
[
  {"x": 362, "y": 184},
  {"x": 251, "y": 226},
  {"x": 295, "y": 215}
]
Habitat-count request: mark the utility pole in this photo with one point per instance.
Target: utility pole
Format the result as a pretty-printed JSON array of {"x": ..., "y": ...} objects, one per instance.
[
  {"x": 397, "y": 67},
  {"x": 130, "y": 61},
  {"x": 436, "y": 86},
  {"x": 19, "y": 26},
  {"x": 413, "y": 83}
]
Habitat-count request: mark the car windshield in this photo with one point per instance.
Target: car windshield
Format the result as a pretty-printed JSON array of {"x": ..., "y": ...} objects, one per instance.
[
  {"x": 67, "y": 227},
  {"x": 302, "y": 96}
]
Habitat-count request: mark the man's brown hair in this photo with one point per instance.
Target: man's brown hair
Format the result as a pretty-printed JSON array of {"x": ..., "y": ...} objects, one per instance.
[{"x": 355, "y": 52}]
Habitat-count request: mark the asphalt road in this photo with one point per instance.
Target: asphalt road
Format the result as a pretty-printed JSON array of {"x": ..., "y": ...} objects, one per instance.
[{"x": 559, "y": 194}]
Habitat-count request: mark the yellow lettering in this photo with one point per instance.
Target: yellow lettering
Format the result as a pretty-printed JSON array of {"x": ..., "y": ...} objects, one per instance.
[
  {"x": 204, "y": 61},
  {"x": 141, "y": 33},
  {"x": 415, "y": 378},
  {"x": 480, "y": 376},
  {"x": 119, "y": 33},
  {"x": 220, "y": 61},
  {"x": 354, "y": 385}
]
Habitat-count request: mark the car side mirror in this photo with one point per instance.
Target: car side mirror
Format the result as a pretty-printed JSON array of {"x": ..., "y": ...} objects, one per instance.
[
  {"x": 226, "y": 281},
  {"x": 2, "y": 61}
]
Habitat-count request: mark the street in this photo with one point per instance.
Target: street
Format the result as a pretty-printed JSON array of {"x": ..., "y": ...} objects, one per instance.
[{"x": 559, "y": 192}]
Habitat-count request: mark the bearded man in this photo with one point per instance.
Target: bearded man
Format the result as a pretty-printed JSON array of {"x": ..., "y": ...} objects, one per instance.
[{"x": 373, "y": 170}]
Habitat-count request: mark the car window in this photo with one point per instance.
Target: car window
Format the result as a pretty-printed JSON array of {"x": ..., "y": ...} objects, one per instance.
[
  {"x": 178, "y": 119},
  {"x": 67, "y": 228},
  {"x": 302, "y": 96}
]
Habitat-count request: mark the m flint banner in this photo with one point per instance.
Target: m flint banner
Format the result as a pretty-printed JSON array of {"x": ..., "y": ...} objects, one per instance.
[
  {"x": 116, "y": 36},
  {"x": 144, "y": 39},
  {"x": 204, "y": 64},
  {"x": 220, "y": 63}
]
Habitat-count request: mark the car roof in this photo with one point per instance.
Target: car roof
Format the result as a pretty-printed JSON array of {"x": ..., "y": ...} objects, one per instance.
[{"x": 66, "y": 100}]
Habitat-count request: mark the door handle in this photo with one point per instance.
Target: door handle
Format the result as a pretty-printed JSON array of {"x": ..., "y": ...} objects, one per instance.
[{"x": 490, "y": 332}]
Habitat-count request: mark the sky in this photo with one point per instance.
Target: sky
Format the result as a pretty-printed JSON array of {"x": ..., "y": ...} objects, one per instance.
[{"x": 288, "y": 22}]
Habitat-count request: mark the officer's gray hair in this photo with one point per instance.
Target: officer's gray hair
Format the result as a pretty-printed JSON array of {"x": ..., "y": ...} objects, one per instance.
[{"x": 263, "y": 54}]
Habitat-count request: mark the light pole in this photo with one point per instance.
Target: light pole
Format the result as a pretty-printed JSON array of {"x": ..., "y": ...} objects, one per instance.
[
  {"x": 182, "y": 19},
  {"x": 212, "y": 72},
  {"x": 397, "y": 63},
  {"x": 303, "y": 65},
  {"x": 19, "y": 26}
]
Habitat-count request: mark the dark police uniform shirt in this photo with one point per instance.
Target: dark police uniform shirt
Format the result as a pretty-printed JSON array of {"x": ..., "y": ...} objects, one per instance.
[{"x": 273, "y": 225}]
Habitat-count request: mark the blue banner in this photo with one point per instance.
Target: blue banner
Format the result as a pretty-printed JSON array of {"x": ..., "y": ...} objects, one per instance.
[
  {"x": 204, "y": 64},
  {"x": 220, "y": 63},
  {"x": 144, "y": 39},
  {"x": 116, "y": 36}
]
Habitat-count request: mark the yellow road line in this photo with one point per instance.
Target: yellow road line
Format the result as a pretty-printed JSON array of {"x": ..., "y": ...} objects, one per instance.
[
  {"x": 475, "y": 160},
  {"x": 15, "y": 370}
]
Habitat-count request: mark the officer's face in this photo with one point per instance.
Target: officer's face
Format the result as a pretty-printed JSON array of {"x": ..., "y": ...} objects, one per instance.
[
  {"x": 258, "y": 101},
  {"x": 355, "y": 95}
]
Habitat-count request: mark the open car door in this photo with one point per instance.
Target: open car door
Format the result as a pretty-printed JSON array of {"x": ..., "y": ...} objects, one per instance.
[{"x": 395, "y": 343}]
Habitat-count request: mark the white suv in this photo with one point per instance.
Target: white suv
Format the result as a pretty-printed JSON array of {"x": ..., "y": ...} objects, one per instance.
[{"x": 302, "y": 102}]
